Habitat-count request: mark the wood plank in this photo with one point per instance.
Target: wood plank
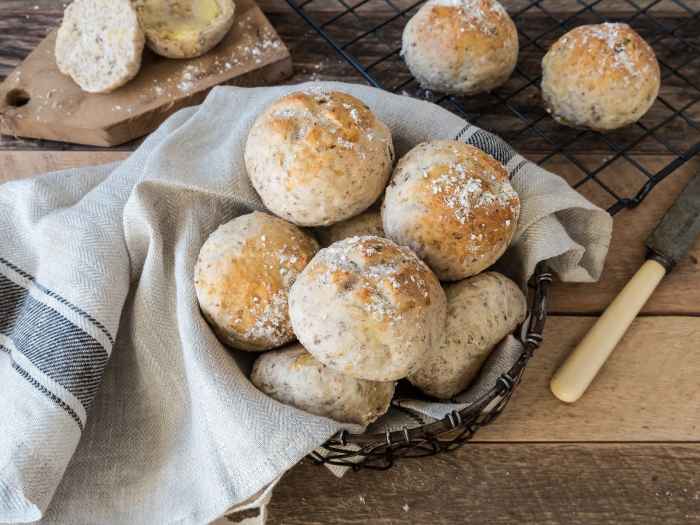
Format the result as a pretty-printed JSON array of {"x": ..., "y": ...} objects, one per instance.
[
  {"x": 647, "y": 391},
  {"x": 38, "y": 101},
  {"x": 315, "y": 60},
  {"x": 654, "y": 368},
  {"x": 22, "y": 164},
  {"x": 545, "y": 484},
  {"x": 678, "y": 294}
]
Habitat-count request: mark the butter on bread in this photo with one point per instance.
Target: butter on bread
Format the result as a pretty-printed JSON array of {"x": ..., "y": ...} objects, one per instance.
[{"x": 184, "y": 28}]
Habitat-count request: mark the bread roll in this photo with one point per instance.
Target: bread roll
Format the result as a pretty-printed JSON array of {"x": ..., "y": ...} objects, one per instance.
[
  {"x": 184, "y": 28},
  {"x": 600, "y": 77},
  {"x": 367, "y": 308},
  {"x": 243, "y": 275},
  {"x": 99, "y": 44},
  {"x": 453, "y": 205},
  {"x": 294, "y": 377},
  {"x": 461, "y": 46},
  {"x": 481, "y": 311},
  {"x": 317, "y": 158},
  {"x": 366, "y": 223}
]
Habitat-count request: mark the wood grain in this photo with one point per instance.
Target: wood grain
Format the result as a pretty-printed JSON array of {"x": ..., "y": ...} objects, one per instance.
[
  {"x": 679, "y": 293},
  {"x": 654, "y": 368},
  {"x": 520, "y": 471},
  {"x": 647, "y": 391},
  {"x": 544, "y": 484},
  {"x": 314, "y": 59},
  {"x": 16, "y": 165},
  {"x": 38, "y": 101}
]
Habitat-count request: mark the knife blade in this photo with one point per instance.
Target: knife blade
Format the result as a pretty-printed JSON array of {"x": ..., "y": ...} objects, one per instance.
[
  {"x": 670, "y": 241},
  {"x": 679, "y": 228}
]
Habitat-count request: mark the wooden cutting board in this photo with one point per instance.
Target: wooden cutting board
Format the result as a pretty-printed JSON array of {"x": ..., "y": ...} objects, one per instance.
[{"x": 37, "y": 101}]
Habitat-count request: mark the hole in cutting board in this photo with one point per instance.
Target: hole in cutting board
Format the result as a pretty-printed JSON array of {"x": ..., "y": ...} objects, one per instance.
[{"x": 17, "y": 98}]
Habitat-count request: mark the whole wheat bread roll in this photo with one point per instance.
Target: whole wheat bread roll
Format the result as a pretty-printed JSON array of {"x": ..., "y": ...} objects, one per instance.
[
  {"x": 99, "y": 44},
  {"x": 460, "y": 46},
  {"x": 481, "y": 311},
  {"x": 600, "y": 77},
  {"x": 366, "y": 223},
  {"x": 453, "y": 205},
  {"x": 294, "y": 377},
  {"x": 368, "y": 308},
  {"x": 243, "y": 275},
  {"x": 317, "y": 158}
]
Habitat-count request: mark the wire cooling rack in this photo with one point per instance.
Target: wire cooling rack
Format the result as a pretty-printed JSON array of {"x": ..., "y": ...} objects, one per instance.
[{"x": 367, "y": 34}]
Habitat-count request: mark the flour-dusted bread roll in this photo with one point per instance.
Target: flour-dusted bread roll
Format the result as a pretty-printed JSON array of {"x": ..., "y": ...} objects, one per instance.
[
  {"x": 243, "y": 275},
  {"x": 294, "y": 377},
  {"x": 366, "y": 223},
  {"x": 317, "y": 158},
  {"x": 99, "y": 44},
  {"x": 368, "y": 308},
  {"x": 453, "y": 205},
  {"x": 600, "y": 77},
  {"x": 481, "y": 311},
  {"x": 461, "y": 46},
  {"x": 184, "y": 28}
]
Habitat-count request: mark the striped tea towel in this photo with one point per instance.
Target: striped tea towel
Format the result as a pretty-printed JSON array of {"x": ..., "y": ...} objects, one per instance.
[{"x": 117, "y": 402}]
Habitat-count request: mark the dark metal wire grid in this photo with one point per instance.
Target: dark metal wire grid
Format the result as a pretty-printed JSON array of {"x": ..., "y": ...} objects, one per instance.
[{"x": 367, "y": 34}]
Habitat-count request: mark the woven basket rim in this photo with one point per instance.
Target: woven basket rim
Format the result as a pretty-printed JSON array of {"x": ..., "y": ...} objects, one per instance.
[{"x": 354, "y": 450}]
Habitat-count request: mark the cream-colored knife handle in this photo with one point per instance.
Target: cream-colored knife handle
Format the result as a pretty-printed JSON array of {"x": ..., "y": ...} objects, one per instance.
[{"x": 580, "y": 368}]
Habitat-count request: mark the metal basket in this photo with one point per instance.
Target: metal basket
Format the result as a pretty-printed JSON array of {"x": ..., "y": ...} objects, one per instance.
[
  {"x": 367, "y": 34},
  {"x": 379, "y": 451}
]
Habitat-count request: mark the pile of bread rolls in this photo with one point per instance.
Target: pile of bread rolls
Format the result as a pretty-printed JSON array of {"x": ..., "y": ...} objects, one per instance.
[
  {"x": 100, "y": 42},
  {"x": 601, "y": 77},
  {"x": 366, "y": 307}
]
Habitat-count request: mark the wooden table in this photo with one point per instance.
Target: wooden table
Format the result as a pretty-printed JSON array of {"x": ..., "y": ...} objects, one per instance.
[{"x": 628, "y": 452}]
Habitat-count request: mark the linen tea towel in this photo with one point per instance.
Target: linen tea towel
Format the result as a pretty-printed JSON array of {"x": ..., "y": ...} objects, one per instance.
[{"x": 118, "y": 404}]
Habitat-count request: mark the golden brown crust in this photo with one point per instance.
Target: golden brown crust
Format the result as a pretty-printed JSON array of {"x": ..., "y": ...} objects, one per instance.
[
  {"x": 322, "y": 144},
  {"x": 243, "y": 277},
  {"x": 445, "y": 24},
  {"x": 463, "y": 47},
  {"x": 599, "y": 52},
  {"x": 394, "y": 277},
  {"x": 317, "y": 158},
  {"x": 600, "y": 76},
  {"x": 368, "y": 308},
  {"x": 456, "y": 208}
]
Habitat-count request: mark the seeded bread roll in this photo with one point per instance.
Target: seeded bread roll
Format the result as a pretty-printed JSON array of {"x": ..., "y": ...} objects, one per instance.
[
  {"x": 460, "y": 46},
  {"x": 453, "y": 205},
  {"x": 481, "y": 311},
  {"x": 99, "y": 44},
  {"x": 184, "y": 28},
  {"x": 318, "y": 158},
  {"x": 366, "y": 223},
  {"x": 368, "y": 308},
  {"x": 601, "y": 77},
  {"x": 243, "y": 275},
  {"x": 294, "y": 377}
]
